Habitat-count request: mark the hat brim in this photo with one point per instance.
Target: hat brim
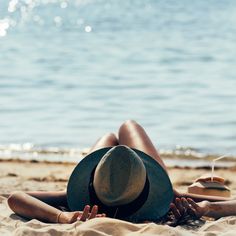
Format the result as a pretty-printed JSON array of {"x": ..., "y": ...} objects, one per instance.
[{"x": 160, "y": 188}]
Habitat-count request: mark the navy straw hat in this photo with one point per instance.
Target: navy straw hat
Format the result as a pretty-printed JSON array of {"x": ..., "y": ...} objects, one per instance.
[{"x": 125, "y": 183}]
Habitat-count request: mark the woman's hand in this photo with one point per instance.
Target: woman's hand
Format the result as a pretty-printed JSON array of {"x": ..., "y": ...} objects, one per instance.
[
  {"x": 71, "y": 217},
  {"x": 187, "y": 208}
]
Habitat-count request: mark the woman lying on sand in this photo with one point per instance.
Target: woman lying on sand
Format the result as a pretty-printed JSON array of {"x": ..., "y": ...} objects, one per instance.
[{"x": 126, "y": 179}]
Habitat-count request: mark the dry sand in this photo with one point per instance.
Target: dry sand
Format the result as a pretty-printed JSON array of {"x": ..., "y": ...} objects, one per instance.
[{"x": 27, "y": 176}]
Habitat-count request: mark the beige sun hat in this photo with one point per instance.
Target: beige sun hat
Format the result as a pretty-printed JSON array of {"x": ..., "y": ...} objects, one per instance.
[{"x": 125, "y": 183}]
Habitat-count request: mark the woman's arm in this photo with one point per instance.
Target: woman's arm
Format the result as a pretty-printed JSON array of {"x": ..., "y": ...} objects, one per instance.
[
  {"x": 52, "y": 198},
  {"x": 32, "y": 208},
  {"x": 216, "y": 209}
]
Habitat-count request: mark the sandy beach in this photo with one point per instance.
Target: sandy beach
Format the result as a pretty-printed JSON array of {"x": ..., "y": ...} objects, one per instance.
[
  {"x": 46, "y": 176},
  {"x": 73, "y": 71}
]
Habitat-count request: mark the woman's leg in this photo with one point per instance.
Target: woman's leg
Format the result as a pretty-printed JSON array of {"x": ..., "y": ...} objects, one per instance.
[
  {"x": 108, "y": 140},
  {"x": 134, "y": 136}
]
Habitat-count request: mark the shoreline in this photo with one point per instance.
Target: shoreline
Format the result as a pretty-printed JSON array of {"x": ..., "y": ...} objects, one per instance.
[{"x": 179, "y": 156}]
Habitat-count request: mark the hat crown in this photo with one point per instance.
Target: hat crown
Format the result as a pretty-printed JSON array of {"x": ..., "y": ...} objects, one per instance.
[{"x": 119, "y": 177}]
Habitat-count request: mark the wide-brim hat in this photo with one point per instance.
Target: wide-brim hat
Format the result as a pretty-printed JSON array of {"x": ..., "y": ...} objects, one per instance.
[{"x": 152, "y": 204}]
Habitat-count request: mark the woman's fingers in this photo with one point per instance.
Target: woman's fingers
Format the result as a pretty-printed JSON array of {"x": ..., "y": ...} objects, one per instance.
[
  {"x": 179, "y": 206},
  {"x": 187, "y": 208},
  {"x": 194, "y": 204},
  {"x": 185, "y": 203},
  {"x": 94, "y": 212},
  {"x": 85, "y": 213},
  {"x": 183, "y": 206},
  {"x": 190, "y": 209},
  {"x": 199, "y": 210},
  {"x": 175, "y": 211}
]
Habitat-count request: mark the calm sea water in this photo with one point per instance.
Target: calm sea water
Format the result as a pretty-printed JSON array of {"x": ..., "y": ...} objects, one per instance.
[{"x": 71, "y": 71}]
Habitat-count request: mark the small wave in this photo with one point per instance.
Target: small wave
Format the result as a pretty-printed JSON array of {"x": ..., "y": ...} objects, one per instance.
[
  {"x": 189, "y": 156},
  {"x": 29, "y": 151},
  {"x": 183, "y": 151},
  {"x": 180, "y": 156}
]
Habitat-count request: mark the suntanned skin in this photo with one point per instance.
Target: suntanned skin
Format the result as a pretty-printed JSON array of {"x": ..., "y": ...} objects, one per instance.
[
  {"x": 215, "y": 210},
  {"x": 32, "y": 208},
  {"x": 44, "y": 205}
]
